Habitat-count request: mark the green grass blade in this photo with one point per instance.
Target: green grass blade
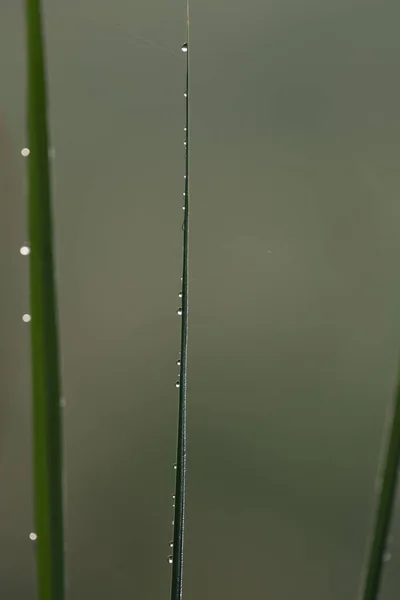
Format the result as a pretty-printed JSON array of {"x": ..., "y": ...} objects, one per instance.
[
  {"x": 387, "y": 491},
  {"x": 180, "y": 484},
  {"x": 47, "y": 432}
]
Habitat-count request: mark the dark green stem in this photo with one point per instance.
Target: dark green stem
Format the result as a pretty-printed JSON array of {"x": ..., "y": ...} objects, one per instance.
[
  {"x": 47, "y": 431},
  {"x": 382, "y": 518},
  {"x": 180, "y": 486}
]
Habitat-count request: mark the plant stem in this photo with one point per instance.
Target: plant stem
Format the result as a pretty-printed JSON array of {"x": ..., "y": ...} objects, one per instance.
[
  {"x": 180, "y": 485},
  {"x": 47, "y": 429},
  {"x": 384, "y": 509}
]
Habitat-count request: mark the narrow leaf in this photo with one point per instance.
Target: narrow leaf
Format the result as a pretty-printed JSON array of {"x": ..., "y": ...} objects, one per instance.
[
  {"x": 387, "y": 478},
  {"x": 47, "y": 433},
  {"x": 180, "y": 485}
]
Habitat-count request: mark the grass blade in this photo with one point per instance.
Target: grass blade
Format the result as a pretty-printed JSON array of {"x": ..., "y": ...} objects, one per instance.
[
  {"x": 180, "y": 485},
  {"x": 47, "y": 433},
  {"x": 387, "y": 491}
]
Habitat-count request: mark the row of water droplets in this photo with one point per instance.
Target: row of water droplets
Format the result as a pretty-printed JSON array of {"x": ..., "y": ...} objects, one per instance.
[
  {"x": 177, "y": 385},
  {"x": 25, "y": 250},
  {"x": 184, "y": 48}
]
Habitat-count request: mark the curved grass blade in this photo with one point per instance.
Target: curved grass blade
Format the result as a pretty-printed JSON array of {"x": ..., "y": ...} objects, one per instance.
[
  {"x": 378, "y": 545},
  {"x": 180, "y": 485},
  {"x": 47, "y": 433}
]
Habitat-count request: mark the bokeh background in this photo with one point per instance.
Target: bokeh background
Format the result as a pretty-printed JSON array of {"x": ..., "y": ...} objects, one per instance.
[{"x": 294, "y": 299}]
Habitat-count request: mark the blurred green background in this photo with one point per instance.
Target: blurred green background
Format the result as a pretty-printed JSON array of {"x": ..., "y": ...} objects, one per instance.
[{"x": 294, "y": 300}]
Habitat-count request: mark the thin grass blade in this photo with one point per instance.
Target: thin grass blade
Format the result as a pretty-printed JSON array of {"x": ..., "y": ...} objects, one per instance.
[
  {"x": 388, "y": 476},
  {"x": 180, "y": 485},
  {"x": 47, "y": 432}
]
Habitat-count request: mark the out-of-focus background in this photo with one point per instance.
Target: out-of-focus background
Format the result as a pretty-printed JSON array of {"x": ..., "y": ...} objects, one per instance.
[{"x": 294, "y": 302}]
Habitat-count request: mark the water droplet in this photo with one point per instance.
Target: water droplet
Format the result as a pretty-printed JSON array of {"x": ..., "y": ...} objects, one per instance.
[
  {"x": 179, "y": 311},
  {"x": 170, "y": 560},
  {"x": 184, "y": 142},
  {"x": 173, "y": 522},
  {"x": 25, "y": 250},
  {"x": 185, "y": 129},
  {"x": 25, "y": 152},
  {"x": 175, "y": 467},
  {"x": 179, "y": 296},
  {"x": 185, "y": 94},
  {"x": 171, "y": 544},
  {"x": 33, "y": 536},
  {"x": 184, "y": 177},
  {"x": 177, "y": 384},
  {"x": 183, "y": 208},
  {"x": 387, "y": 556},
  {"x": 184, "y": 47},
  {"x": 26, "y": 318},
  {"x": 173, "y": 495},
  {"x": 178, "y": 362}
]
